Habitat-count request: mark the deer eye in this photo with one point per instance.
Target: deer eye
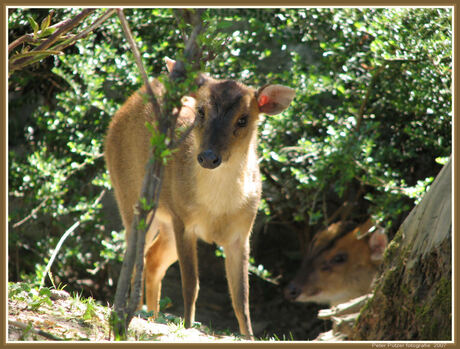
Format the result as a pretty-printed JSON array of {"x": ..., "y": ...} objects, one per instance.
[
  {"x": 242, "y": 121},
  {"x": 339, "y": 258}
]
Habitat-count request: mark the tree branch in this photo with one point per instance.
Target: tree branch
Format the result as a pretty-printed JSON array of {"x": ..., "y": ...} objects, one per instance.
[
  {"x": 137, "y": 57},
  {"x": 64, "y": 27},
  {"x": 134, "y": 255},
  {"x": 25, "y": 38},
  {"x": 124, "y": 308},
  {"x": 87, "y": 30},
  {"x": 31, "y": 214}
]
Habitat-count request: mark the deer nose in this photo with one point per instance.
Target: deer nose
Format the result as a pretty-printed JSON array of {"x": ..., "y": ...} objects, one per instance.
[
  {"x": 292, "y": 291},
  {"x": 209, "y": 159}
]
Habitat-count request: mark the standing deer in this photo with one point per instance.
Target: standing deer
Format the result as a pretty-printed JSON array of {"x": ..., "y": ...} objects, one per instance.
[
  {"x": 211, "y": 186},
  {"x": 339, "y": 266}
]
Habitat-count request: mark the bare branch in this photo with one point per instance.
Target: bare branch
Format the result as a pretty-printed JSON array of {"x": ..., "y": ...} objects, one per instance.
[
  {"x": 64, "y": 237},
  {"x": 192, "y": 50},
  {"x": 32, "y": 213},
  {"x": 25, "y": 38},
  {"x": 87, "y": 30},
  {"x": 137, "y": 56}
]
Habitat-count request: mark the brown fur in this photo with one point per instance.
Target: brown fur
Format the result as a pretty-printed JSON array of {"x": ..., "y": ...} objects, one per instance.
[
  {"x": 217, "y": 205},
  {"x": 339, "y": 266}
]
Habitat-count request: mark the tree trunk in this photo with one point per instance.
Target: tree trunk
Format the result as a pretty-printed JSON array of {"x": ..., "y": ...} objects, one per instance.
[{"x": 413, "y": 295}]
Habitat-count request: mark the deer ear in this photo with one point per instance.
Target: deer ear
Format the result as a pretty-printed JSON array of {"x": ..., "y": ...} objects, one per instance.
[
  {"x": 377, "y": 242},
  {"x": 202, "y": 79},
  {"x": 170, "y": 64},
  {"x": 273, "y": 99}
]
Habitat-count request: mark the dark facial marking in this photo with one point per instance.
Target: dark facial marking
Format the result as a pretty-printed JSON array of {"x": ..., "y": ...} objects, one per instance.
[
  {"x": 226, "y": 96},
  {"x": 225, "y": 99}
]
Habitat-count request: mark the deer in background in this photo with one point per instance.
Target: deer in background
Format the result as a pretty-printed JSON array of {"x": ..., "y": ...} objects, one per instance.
[
  {"x": 211, "y": 186},
  {"x": 340, "y": 265}
]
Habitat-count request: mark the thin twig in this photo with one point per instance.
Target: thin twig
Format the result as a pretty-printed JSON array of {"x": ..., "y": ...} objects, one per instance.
[
  {"x": 32, "y": 213},
  {"x": 64, "y": 237},
  {"x": 137, "y": 56},
  {"x": 86, "y": 31},
  {"x": 28, "y": 37},
  {"x": 73, "y": 22},
  {"x": 63, "y": 29},
  {"x": 38, "y": 54}
]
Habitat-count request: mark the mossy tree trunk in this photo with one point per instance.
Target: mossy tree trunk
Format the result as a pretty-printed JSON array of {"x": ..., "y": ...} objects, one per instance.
[{"x": 413, "y": 296}]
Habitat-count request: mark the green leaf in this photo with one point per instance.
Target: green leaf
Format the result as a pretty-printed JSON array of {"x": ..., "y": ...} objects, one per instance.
[
  {"x": 47, "y": 32},
  {"x": 33, "y": 24},
  {"x": 45, "y": 23},
  {"x": 224, "y": 24}
]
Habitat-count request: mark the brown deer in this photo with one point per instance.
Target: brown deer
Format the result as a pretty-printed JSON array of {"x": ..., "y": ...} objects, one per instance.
[
  {"x": 211, "y": 186},
  {"x": 340, "y": 265}
]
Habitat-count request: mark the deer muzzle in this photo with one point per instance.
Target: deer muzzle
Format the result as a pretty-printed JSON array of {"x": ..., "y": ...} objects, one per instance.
[{"x": 209, "y": 159}]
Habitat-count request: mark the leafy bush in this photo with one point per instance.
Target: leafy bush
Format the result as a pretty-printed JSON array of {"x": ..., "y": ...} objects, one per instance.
[{"x": 371, "y": 116}]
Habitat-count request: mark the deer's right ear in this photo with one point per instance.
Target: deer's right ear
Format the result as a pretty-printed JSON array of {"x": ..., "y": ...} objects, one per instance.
[{"x": 273, "y": 99}]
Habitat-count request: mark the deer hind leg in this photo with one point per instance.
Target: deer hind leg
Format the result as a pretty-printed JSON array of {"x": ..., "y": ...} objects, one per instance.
[{"x": 158, "y": 257}]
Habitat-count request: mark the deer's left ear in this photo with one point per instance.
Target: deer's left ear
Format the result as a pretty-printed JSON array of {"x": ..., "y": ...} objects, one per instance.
[
  {"x": 170, "y": 64},
  {"x": 273, "y": 99}
]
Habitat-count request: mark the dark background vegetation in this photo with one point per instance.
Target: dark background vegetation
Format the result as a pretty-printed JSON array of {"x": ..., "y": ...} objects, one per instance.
[{"x": 369, "y": 129}]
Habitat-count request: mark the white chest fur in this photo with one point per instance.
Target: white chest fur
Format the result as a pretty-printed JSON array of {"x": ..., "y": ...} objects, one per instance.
[{"x": 225, "y": 189}]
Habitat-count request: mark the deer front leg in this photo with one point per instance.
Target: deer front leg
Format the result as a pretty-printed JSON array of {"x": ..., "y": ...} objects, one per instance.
[
  {"x": 186, "y": 251},
  {"x": 236, "y": 267}
]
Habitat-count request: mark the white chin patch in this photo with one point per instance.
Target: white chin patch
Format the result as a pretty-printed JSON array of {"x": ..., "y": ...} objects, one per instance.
[{"x": 324, "y": 298}]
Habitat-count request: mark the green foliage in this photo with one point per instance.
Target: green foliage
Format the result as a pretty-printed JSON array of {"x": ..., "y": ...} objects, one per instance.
[
  {"x": 372, "y": 113},
  {"x": 165, "y": 303},
  {"x": 34, "y": 296},
  {"x": 366, "y": 113},
  {"x": 90, "y": 310},
  {"x": 15, "y": 289},
  {"x": 58, "y": 160}
]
